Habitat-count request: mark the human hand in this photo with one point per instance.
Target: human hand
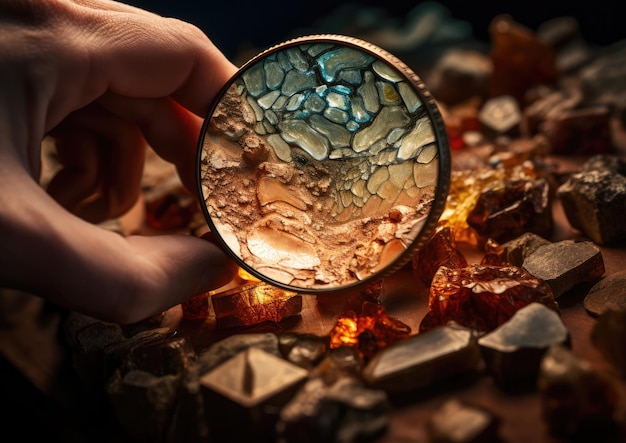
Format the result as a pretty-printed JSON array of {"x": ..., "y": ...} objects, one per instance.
[{"x": 103, "y": 78}]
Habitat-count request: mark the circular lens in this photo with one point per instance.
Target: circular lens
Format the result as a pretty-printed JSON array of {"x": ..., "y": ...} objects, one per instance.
[{"x": 323, "y": 164}]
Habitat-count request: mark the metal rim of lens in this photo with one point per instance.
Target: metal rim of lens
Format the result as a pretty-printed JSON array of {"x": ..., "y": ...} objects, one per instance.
[{"x": 443, "y": 151}]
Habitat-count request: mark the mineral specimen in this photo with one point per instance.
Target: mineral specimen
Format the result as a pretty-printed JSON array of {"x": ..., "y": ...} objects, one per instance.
[
  {"x": 577, "y": 401},
  {"x": 513, "y": 351},
  {"x": 304, "y": 350},
  {"x": 518, "y": 249},
  {"x": 563, "y": 265},
  {"x": 520, "y": 60},
  {"x": 458, "y": 422},
  {"x": 609, "y": 337},
  {"x": 196, "y": 307},
  {"x": 254, "y": 303},
  {"x": 427, "y": 358},
  {"x": 341, "y": 411},
  {"x": 508, "y": 209},
  {"x": 439, "y": 250},
  {"x": 370, "y": 331},
  {"x": 500, "y": 115},
  {"x": 245, "y": 392},
  {"x": 143, "y": 402},
  {"x": 168, "y": 355},
  {"x": 170, "y": 211},
  {"x": 483, "y": 297},
  {"x": 608, "y": 293},
  {"x": 595, "y": 197}
]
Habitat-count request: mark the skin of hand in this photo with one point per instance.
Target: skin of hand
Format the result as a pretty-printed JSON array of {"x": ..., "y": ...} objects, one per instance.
[{"x": 105, "y": 80}]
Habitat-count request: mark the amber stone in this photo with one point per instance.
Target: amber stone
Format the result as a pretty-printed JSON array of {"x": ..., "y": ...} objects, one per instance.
[
  {"x": 253, "y": 304},
  {"x": 483, "y": 297},
  {"x": 171, "y": 211},
  {"x": 466, "y": 186},
  {"x": 439, "y": 250},
  {"x": 520, "y": 60},
  {"x": 370, "y": 331},
  {"x": 507, "y": 209},
  {"x": 196, "y": 307},
  {"x": 585, "y": 131}
]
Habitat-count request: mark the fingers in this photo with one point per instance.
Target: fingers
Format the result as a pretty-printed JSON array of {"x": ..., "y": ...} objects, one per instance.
[
  {"x": 102, "y": 158},
  {"x": 170, "y": 129},
  {"x": 96, "y": 272},
  {"x": 147, "y": 56}
]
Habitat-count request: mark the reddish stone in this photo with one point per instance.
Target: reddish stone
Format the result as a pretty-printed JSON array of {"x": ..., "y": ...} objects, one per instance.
[
  {"x": 439, "y": 250},
  {"x": 483, "y": 297},
  {"x": 520, "y": 60},
  {"x": 369, "y": 332}
]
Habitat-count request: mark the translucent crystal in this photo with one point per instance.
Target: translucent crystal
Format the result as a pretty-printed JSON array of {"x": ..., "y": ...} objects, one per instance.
[
  {"x": 254, "y": 303},
  {"x": 483, "y": 297},
  {"x": 370, "y": 331}
]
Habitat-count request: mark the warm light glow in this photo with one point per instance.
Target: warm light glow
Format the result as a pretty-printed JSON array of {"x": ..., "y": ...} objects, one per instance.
[{"x": 245, "y": 275}]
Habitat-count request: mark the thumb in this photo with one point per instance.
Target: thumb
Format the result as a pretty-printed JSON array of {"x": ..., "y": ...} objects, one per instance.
[{"x": 86, "y": 268}]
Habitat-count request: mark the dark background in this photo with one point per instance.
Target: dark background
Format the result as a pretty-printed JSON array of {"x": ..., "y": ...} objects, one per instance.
[{"x": 237, "y": 24}]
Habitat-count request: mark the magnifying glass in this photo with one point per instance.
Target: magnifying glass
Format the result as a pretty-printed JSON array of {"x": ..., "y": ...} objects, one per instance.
[{"x": 323, "y": 164}]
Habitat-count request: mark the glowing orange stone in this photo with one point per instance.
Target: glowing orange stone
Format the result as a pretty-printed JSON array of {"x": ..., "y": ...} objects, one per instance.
[{"x": 369, "y": 332}]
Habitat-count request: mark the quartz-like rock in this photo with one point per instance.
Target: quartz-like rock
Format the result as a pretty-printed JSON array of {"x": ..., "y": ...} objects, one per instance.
[
  {"x": 460, "y": 75},
  {"x": 425, "y": 359},
  {"x": 608, "y": 293},
  {"x": 459, "y": 422},
  {"x": 228, "y": 347},
  {"x": 513, "y": 351},
  {"x": 89, "y": 353},
  {"x": 595, "y": 197},
  {"x": 341, "y": 411},
  {"x": 143, "y": 402},
  {"x": 243, "y": 394},
  {"x": 161, "y": 357},
  {"x": 609, "y": 337},
  {"x": 501, "y": 115},
  {"x": 305, "y": 350},
  {"x": 564, "y": 264},
  {"x": 518, "y": 249},
  {"x": 577, "y": 401}
]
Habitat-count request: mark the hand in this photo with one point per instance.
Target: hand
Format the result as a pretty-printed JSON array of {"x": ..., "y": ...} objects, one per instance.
[{"x": 104, "y": 79}]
